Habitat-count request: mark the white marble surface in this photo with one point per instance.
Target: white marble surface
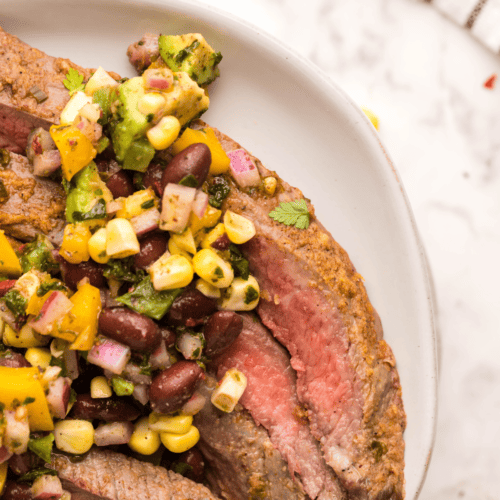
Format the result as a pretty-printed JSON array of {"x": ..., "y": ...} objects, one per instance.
[{"x": 423, "y": 76}]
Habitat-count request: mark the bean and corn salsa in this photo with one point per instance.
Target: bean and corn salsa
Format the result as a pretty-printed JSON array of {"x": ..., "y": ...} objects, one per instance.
[{"x": 105, "y": 339}]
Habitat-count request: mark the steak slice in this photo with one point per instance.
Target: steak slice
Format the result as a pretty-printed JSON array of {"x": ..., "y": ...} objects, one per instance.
[
  {"x": 271, "y": 399},
  {"x": 31, "y": 205},
  {"x": 314, "y": 302},
  {"x": 242, "y": 462},
  {"x": 106, "y": 475}
]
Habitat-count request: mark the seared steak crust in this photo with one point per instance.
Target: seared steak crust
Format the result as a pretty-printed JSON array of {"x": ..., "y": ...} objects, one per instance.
[
  {"x": 314, "y": 302},
  {"x": 32, "y": 205},
  {"x": 271, "y": 399},
  {"x": 113, "y": 476}
]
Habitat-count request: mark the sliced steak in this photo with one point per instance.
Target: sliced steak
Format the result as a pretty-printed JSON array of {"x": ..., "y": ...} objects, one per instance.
[
  {"x": 107, "y": 475},
  {"x": 271, "y": 399},
  {"x": 314, "y": 302},
  {"x": 30, "y": 205},
  {"x": 142, "y": 53},
  {"x": 242, "y": 462}
]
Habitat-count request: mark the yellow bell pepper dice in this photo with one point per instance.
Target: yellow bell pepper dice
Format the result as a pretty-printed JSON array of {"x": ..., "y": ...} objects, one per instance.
[
  {"x": 9, "y": 262},
  {"x": 220, "y": 160},
  {"x": 75, "y": 148},
  {"x": 83, "y": 317},
  {"x": 21, "y": 383},
  {"x": 75, "y": 244}
]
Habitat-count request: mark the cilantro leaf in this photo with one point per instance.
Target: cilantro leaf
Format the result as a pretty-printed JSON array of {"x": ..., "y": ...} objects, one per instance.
[
  {"x": 73, "y": 81},
  {"x": 292, "y": 213}
]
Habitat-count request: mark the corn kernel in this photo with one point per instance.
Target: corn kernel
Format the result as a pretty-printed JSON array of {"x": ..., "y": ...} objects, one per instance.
[
  {"x": 25, "y": 337},
  {"x": 137, "y": 203},
  {"x": 213, "y": 235},
  {"x": 209, "y": 219},
  {"x": 92, "y": 112},
  {"x": 178, "y": 424},
  {"x": 97, "y": 246},
  {"x": 239, "y": 229},
  {"x": 99, "y": 388},
  {"x": 184, "y": 241},
  {"x": 70, "y": 111},
  {"x": 144, "y": 440},
  {"x": 164, "y": 133},
  {"x": 179, "y": 443},
  {"x": 207, "y": 289},
  {"x": 151, "y": 103},
  {"x": 171, "y": 271},
  {"x": 229, "y": 391},
  {"x": 38, "y": 356},
  {"x": 121, "y": 240},
  {"x": 74, "y": 247},
  {"x": 270, "y": 184},
  {"x": 74, "y": 436},
  {"x": 99, "y": 80},
  {"x": 242, "y": 295},
  {"x": 174, "y": 249},
  {"x": 212, "y": 268}
]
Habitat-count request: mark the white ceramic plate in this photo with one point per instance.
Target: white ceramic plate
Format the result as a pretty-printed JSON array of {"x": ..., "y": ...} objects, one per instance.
[{"x": 299, "y": 123}]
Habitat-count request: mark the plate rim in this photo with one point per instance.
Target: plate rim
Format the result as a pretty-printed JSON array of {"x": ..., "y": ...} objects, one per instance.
[{"x": 205, "y": 11}]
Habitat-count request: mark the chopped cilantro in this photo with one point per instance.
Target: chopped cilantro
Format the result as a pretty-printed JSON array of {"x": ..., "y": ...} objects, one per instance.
[
  {"x": 148, "y": 204},
  {"x": 73, "y": 81},
  {"x": 28, "y": 401},
  {"x": 144, "y": 299},
  {"x": 238, "y": 262},
  {"x": 16, "y": 302},
  {"x": 48, "y": 286},
  {"x": 251, "y": 294},
  {"x": 35, "y": 474},
  {"x": 292, "y": 213},
  {"x": 219, "y": 189},
  {"x": 123, "y": 270},
  {"x": 38, "y": 255}
]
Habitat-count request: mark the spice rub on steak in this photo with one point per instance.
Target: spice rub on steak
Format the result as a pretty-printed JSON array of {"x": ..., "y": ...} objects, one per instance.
[
  {"x": 30, "y": 205},
  {"x": 105, "y": 475},
  {"x": 271, "y": 399},
  {"x": 314, "y": 302}
]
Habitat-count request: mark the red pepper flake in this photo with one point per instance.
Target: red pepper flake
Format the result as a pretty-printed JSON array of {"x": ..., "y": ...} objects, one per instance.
[{"x": 490, "y": 82}]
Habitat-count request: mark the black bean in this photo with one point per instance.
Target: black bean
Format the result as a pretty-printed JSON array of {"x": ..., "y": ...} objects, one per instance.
[
  {"x": 221, "y": 330},
  {"x": 173, "y": 387},
  {"x": 153, "y": 246},
  {"x": 73, "y": 273},
  {"x": 108, "y": 409},
  {"x": 189, "y": 308},
  {"x": 139, "y": 332},
  {"x": 194, "y": 160},
  {"x": 152, "y": 178},
  {"x": 120, "y": 184},
  {"x": 20, "y": 464}
]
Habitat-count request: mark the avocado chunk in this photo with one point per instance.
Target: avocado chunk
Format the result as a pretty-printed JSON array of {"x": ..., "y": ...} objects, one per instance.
[
  {"x": 192, "y": 54},
  {"x": 185, "y": 100},
  {"x": 129, "y": 124},
  {"x": 87, "y": 196}
]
